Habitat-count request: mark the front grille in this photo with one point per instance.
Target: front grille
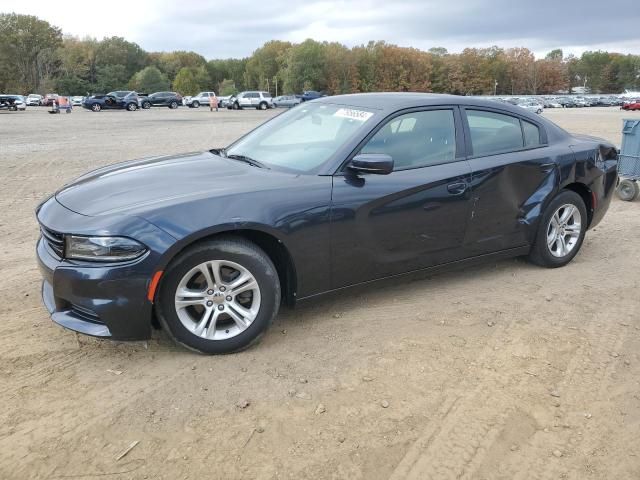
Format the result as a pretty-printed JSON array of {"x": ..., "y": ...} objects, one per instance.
[
  {"x": 55, "y": 240},
  {"x": 85, "y": 314}
]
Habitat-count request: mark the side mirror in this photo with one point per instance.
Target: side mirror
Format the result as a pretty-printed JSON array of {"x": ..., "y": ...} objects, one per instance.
[{"x": 376, "y": 163}]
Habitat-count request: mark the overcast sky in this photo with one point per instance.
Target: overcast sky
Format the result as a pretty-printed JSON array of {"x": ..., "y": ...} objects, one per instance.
[{"x": 220, "y": 29}]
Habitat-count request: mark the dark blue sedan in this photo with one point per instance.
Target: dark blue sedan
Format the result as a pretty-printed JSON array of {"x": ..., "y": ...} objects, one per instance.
[
  {"x": 331, "y": 194},
  {"x": 118, "y": 100}
]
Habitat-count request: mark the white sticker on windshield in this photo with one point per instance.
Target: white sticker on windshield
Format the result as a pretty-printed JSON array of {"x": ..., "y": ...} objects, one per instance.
[{"x": 359, "y": 115}]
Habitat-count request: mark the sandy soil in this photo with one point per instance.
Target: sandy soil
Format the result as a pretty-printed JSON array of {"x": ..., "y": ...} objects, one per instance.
[{"x": 504, "y": 371}]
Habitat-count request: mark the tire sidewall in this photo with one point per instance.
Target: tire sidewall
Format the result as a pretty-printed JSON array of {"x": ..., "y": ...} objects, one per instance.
[
  {"x": 260, "y": 267},
  {"x": 542, "y": 250}
]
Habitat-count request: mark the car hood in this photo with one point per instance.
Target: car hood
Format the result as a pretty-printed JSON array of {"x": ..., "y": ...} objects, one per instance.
[{"x": 142, "y": 185}]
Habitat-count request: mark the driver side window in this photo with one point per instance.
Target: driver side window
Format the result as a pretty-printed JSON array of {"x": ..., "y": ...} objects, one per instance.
[{"x": 416, "y": 139}]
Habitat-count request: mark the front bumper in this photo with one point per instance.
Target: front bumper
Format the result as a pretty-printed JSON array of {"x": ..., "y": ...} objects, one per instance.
[{"x": 102, "y": 300}]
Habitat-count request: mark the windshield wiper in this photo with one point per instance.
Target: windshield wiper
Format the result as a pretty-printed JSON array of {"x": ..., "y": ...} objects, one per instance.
[{"x": 249, "y": 160}]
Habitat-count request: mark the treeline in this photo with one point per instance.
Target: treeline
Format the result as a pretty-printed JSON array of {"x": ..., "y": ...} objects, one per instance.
[{"x": 35, "y": 57}]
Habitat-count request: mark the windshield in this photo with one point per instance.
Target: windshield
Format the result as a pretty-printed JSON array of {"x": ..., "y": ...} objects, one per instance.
[{"x": 302, "y": 139}]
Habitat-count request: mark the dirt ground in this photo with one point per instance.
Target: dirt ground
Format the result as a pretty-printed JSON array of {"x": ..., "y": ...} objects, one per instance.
[{"x": 503, "y": 371}]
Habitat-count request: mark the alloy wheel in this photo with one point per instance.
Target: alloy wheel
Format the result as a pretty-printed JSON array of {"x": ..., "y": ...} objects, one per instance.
[
  {"x": 563, "y": 231},
  {"x": 217, "y": 299}
]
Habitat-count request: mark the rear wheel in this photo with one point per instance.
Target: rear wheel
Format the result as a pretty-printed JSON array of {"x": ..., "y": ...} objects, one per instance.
[
  {"x": 219, "y": 296},
  {"x": 628, "y": 190},
  {"x": 561, "y": 231}
]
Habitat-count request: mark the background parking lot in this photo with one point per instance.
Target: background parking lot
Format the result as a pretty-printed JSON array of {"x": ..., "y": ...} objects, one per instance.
[{"x": 504, "y": 371}]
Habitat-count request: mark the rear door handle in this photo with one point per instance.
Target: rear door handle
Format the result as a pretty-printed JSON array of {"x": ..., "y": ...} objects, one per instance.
[{"x": 457, "y": 188}]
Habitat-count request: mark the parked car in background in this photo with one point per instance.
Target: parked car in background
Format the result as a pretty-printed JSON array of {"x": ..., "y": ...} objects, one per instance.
[
  {"x": 77, "y": 100},
  {"x": 531, "y": 106},
  {"x": 310, "y": 95},
  {"x": 118, "y": 100},
  {"x": 13, "y": 102},
  {"x": 252, "y": 99},
  {"x": 49, "y": 98},
  {"x": 201, "y": 98},
  {"x": 287, "y": 101},
  {"x": 223, "y": 102},
  {"x": 34, "y": 100},
  {"x": 7, "y": 102},
  {"x": 633, "y": 105},
  {"x": 161, "y": 99}
]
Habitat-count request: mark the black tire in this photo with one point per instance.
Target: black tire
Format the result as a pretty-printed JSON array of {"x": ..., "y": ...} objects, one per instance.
[
  {"x": 234, "y": 249},
  {"x": 173, "y": 105},
  {"x": 628, "y": 190},
  {"x": 540, "y": 253},
  {"x": 263, "y": 106},
  {"x": 146, "y": 105},
  {"x": 132, "y": 107},
  {"x": 96, "y": 107},
  {"x": 195, "y": 104},
  {"x": 236, "y": 106}
]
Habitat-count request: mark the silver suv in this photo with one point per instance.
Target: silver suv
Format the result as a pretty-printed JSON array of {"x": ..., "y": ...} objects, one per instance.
[
  {"x": 251, "y": 99},
  {"x": 200, "y": 99}
]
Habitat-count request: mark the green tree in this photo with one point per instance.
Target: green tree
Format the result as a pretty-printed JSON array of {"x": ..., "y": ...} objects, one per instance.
[
  {"x": 227, "y": 87},
  {"x": 266, "y": 63},
  {"x": 110, "y": 77},
  {"x": 556, "y": 54},
  {"x": 149, "y": 80},
  {"x": 28, "y": 51},
  {"x": 118, "y": 51},
  {"x": 305, "y": 67},
  {"x": 185, "y": 82},
  {"x": 170, "y": 63}
]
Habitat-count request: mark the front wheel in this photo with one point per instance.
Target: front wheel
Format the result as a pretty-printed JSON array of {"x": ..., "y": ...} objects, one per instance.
[
  {"x": 219, "y": 296},
  {"x": 561, "y": 231},
  {"x": 173, "y": 105},
  {"x": 628, "y": 190},
  {"x": 146, "y": 105},
  {"x": 195, "y": 104},
  {"x": 236, "y": 106},
  {"x": 132, "y": 107},
  {"x": 263, "y": 106},
  {"x": 96, "y": 107}
]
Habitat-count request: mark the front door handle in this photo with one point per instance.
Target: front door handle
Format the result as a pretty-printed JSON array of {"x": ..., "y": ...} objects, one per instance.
[{"x": 457, "y": 188}]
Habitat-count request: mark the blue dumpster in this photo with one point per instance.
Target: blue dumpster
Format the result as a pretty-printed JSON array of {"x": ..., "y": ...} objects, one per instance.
[{"x": 629, "y": 161}]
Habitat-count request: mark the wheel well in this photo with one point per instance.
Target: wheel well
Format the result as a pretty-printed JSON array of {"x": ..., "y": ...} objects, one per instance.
[
  {"x": 276, "y": 251},
  {"x": 587, "y": 197}
]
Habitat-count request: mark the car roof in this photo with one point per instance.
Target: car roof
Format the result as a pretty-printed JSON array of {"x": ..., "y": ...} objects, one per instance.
[{"x": 390, "y": 102}]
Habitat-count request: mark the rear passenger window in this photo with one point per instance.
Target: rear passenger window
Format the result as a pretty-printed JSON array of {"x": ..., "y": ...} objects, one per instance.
[
  {"x": 493, "y": 132},
  {"x": 417, "y": 139},
  {"x": 531, "y": 134}
]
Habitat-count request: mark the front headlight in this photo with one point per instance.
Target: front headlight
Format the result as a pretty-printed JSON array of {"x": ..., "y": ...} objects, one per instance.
[{"x": 102, "y": 249}]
